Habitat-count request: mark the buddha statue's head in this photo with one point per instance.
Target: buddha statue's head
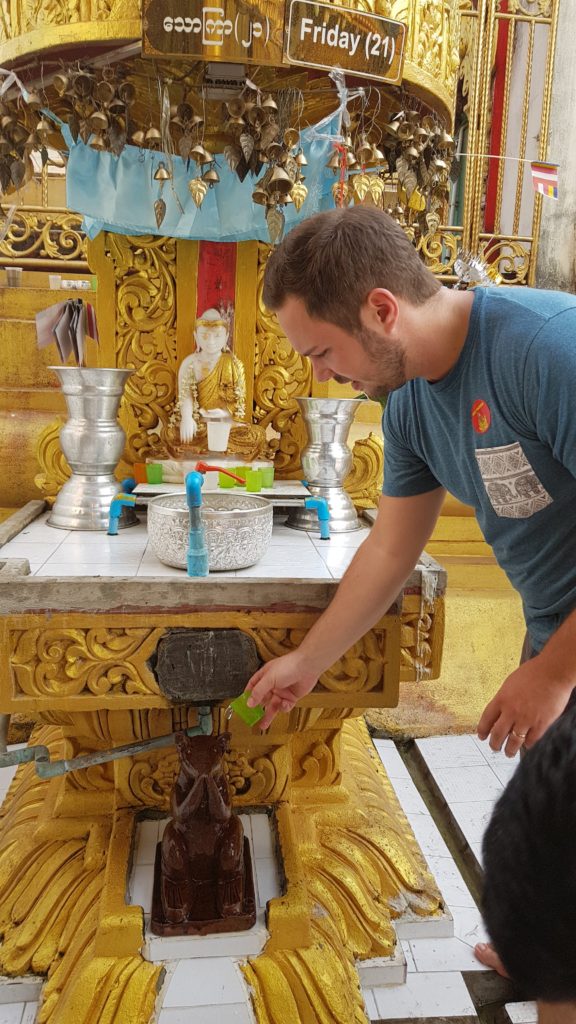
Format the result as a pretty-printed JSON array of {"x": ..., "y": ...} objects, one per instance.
[{"x": 211, "y": 332}]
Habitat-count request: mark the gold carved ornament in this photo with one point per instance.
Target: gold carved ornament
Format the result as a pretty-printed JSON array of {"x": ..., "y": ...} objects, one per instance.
[
  {"x": 350, "y": 867},
  {"x": 45, "y": 235},
  {"x": 66, "y": 662},
  {"x": 54, "y": 467},
  {"x": 280, "y": 376},
  {"x": 364, "y": 482}
]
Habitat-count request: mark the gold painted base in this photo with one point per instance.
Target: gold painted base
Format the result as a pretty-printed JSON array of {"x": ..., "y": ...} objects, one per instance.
[{"x": 349, "y": 860}]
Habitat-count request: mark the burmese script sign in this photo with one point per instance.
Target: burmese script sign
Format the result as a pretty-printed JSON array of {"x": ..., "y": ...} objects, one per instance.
[
  {"x": 270, "y": 32},
  {"x": 235, "y": 31},
  {"x": 326, "y": 36}
]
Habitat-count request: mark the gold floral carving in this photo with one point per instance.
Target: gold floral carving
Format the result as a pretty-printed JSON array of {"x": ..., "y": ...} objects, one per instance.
[
  {"x": 509, "y": 256},
  {"x": 360, "y": 670},
  {"x": 533, "y": 8},
  {"x": 145, "y": 285},
  {"x": 257, "y": 776},
  {"x": 439, "y": 249},
  {"x": 63, "y": 663},
  {"x": 364, "y": 482},
  {"x": 53, "y": 462},
  {"x": 422, "y": 623},
  {"x": 350, "y": 869},
  {"x": 49, "y": 236},
  {"x": 281, "y": 376},
  {"x": 316, "y": 759}
]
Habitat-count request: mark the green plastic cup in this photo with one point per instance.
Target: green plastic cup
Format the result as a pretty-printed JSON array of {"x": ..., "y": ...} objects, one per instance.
[
  {"x": 248, "y": 715},
  {"x": 267, "y": 476},
  {"x": 241, "y": 471},
  {"x": 154, "y": 473},
  {"x": 254, "y": 480},
  {"x": 225, "y": 481}
]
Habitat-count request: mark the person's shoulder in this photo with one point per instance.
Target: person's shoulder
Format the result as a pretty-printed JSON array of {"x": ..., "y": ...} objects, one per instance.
[{"x": 539, "y": 302}]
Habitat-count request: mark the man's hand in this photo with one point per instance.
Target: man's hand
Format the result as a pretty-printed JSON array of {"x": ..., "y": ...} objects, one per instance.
[
  {"x": 527, "y": 703},
  {"x": 279, "y": 684}
]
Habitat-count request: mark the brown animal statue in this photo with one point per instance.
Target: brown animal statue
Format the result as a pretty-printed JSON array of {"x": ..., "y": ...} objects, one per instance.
[{"x": 202, "y": 850}]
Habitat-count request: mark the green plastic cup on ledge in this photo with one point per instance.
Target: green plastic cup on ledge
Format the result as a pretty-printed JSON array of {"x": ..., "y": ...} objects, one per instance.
[
  {"x": 254, "y": 480},
  {"x": 154, "y": 473},
  {"x": 267, "y": 476},
  {"x": 226, "y": 481},
  {"x": 241, "y": 471}
]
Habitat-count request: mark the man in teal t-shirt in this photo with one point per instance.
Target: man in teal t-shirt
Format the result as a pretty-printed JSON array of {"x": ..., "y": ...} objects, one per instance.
[{"x": 481, "y": 389}]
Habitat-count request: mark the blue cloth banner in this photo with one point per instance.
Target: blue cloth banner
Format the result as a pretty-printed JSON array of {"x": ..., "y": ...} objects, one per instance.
[{"x": 118, "y": 193}]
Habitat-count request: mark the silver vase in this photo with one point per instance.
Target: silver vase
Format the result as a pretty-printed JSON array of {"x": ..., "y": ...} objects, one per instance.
[
  {"x": 326, "y": 462},
  {"x": 93, "y": 441}
]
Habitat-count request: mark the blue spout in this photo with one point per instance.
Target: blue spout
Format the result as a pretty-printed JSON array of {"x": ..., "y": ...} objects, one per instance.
[
  {"x": 323, "y": 513},
  {"x": 197, "y": 554},
  {"x": 116, "y": 506}
]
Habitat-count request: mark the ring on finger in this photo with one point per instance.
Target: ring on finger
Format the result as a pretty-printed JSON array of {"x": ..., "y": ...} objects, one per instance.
[{"x": 518, "y": 735}]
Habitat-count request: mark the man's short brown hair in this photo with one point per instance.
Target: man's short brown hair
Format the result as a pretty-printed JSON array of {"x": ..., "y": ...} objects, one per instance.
[{"x": 333, "y": 260}]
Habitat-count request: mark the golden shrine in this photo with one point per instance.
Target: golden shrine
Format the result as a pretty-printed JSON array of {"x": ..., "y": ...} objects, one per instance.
[{"x": 77, "y": 658}]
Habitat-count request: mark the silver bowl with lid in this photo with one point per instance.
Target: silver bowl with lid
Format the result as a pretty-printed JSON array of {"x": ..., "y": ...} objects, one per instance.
[{"x": 238, "y": 529}]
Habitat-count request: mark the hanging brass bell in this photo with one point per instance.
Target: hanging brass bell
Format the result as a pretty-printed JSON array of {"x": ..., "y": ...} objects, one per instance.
[
  {"x": 162, "y": 173},
  {"x": 439, "y": 165},
  {"x": 60, "y": 83},
  {"x": 211, "y": 177},
  {"x": 234, "y": 123},
  {"x": 393, "y": 127},
  {"x": 269, "y": 103},
  {"x": 236, "y": 107},
  {"x": 138, "y": 138},
  {"x": 83, "y": 85},
  {"x": 104, "y": 92},
  {"x": 201, "y": 155},
  {"x": 275, "y": 151},
  {"x": 291, "y": 137},
  {"x": 97, "y": 142},
  {"x": 351, "y": 160},
  {"x": 333, "y": 162},
  {"x": 445, "y": 140},
  {"x": 99, "y": 121},
  {"x": 196, "y": 121},
  {"x": 301, "y": 159},
  {"x": 364, "y": 152},
  {"x": 412, "y": 152},
  {"x": 127, "y": 93},
  {"x": 280, "y": 182},
  {"x": 259, "y": 196},
  {"x": 177, "y": 122},
  {"x": 405, "y": 131},
  {"x": 153, "y": 136},
  {"x": 377, "y": 155}
]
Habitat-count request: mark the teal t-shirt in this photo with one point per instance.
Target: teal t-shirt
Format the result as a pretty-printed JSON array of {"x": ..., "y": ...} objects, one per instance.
[{"x": 499, "y": 432}]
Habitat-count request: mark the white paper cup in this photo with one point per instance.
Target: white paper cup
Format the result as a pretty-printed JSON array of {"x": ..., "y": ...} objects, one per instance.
[{"x": 218, "y": 435}]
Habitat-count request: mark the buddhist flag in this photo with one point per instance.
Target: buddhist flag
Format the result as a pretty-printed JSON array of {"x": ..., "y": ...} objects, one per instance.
[{"x": 545, "y": 179}]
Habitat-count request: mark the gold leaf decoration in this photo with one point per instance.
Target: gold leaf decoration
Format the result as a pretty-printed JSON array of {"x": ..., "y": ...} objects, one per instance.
[
  {"x": 275, "y": 220},
  {"x": 247, "y": 144},
  {"x": 361, "y": 185},
  {"x": 376, "y": 188},
  {"x": 233, "y": 156},
  {"x": 159, "y": 211},
  {"x": 198, "y": 190},
  {"x": 298, "y": 193}
]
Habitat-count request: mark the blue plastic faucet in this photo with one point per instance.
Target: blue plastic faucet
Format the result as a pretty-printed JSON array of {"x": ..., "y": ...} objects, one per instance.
[
  {"x": 197, "y": 554},
  {"x": 323, "y": 513},
  {"x": 122, "y": 499}
]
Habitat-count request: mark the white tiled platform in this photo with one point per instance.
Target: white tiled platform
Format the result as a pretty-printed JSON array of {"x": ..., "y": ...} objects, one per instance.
[
  {"x": 204, "y": 984},
  {"x": 292, "y": 553}
]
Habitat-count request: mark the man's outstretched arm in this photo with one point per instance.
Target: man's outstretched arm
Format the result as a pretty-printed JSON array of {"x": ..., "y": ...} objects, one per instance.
[{"x": 372, "y": 581}]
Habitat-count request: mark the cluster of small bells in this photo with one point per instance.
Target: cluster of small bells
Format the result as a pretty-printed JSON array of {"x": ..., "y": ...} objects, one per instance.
[
  {"x": 412, "y": 157},
  {"x": 23, "y": 131},
  {"x": 252, "y": 123}
]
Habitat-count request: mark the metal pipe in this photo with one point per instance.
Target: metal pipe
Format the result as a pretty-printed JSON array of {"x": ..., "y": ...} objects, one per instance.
[{"x": 46, "y": 768}]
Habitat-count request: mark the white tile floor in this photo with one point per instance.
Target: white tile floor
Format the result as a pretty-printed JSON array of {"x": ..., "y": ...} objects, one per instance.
[
  {"x": 205, "y": 986},
  {"x": 292, "y": 553}
]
